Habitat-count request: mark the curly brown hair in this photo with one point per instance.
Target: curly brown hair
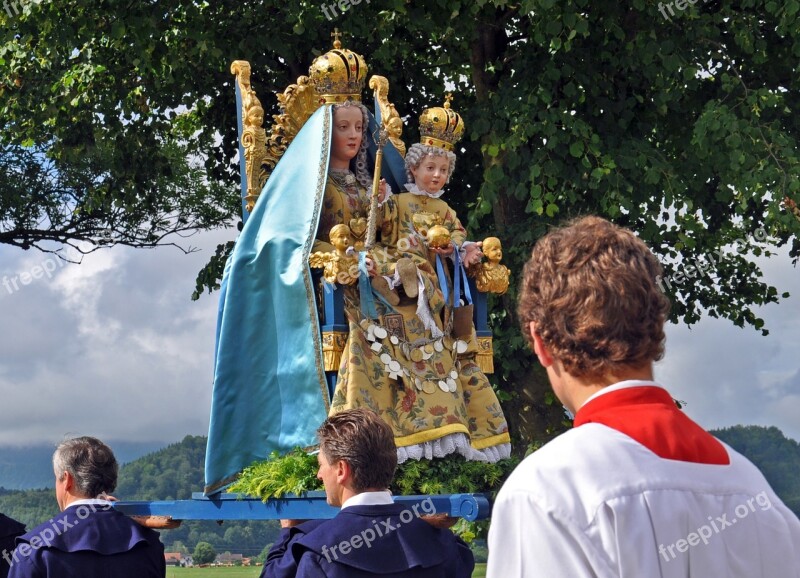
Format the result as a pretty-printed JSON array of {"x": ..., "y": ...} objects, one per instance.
[
  {"x": 590, "y": 287},
  {"x": 363, "y": 440}
]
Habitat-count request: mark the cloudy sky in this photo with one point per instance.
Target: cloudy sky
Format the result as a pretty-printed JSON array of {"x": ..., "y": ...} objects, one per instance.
[{"x": 115, "y": 348}]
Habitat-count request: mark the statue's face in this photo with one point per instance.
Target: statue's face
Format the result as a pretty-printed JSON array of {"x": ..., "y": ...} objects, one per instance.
[
  {"x": 256, "y": 116},
  {"x": 493, "y": 251},
  {"x": 347, "y": 133},
  {"x": 430, "y": 175},
  {"x": 340, "y": 240}
]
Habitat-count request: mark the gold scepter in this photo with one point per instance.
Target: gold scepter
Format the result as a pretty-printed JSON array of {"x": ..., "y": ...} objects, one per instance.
[{"x": 390, "y": 130}]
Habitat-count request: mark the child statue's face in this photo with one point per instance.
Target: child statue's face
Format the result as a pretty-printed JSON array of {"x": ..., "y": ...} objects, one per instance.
[
  {"x": 493, "y": 251},
  {"x": 347, "y": 133},
  {"x": 430, "y": 175},
  {"x": 341, "y": 240},
  {"x": 255, "y": 116}
]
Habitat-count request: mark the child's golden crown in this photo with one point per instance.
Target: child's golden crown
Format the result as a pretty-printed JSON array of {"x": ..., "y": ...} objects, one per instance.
[{"x": 441, "y": 126}]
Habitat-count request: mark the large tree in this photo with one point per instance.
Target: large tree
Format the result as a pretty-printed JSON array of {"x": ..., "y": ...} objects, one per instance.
[
  {"x": 678, "y": 120},
  {"x": 204, "y": 553}
]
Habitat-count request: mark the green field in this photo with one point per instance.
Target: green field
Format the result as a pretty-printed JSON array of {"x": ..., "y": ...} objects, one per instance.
[
  {"x": 213, "y": 572},
  {"x": 253, "y": 572}
]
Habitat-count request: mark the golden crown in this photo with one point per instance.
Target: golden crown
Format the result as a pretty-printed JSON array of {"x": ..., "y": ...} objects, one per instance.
[
  {"x": 338, "y": 75},
  {"x": 441, "y": 126}
]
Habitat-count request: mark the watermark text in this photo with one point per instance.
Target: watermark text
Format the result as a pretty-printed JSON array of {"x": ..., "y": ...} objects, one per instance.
[
  {"x": 343, "y": 5},
  {"x": 380, "y": 528},
  {"x": 705, "y": 264},
  {"x": 45, "y": 537},
  {"x": 716, "y": 525},
  {"x": 680, "y": 5},
  {"x": 45, "y": 269}
]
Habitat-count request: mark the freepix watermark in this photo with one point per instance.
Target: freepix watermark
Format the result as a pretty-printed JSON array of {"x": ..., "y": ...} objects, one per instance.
[
  {"x": 380, "y": 528},
  {"x": 46, "y": 535},
  {"x": 44, "y": 269},
  {"x": 16, "y": 5},
  {"x": 716, "y": 525},
  {"x": 681, "y": 5},
  {"x": 705, "y": 264},
  {"x": 343, "y": 5}
]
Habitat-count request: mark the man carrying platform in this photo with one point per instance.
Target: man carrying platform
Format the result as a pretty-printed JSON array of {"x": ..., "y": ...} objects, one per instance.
[
  {"x": 371, "y": 535},
  {"x": 88, "y": 538}
]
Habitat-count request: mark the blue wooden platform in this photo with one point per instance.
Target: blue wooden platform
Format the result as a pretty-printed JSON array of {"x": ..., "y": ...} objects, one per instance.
[{"x": 311, "y": 506}]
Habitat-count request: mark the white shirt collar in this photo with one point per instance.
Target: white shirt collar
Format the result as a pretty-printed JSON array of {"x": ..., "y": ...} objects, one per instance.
[
  {"x": 414, "y": 189},
  {"x": 621, "y": 385},
  {"x": 90, "y": 502},
  {"x": 369, "y": 499}
]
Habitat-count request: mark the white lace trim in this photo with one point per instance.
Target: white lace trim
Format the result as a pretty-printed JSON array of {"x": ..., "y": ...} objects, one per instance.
[
  {"x": 424, "y": 311},
  {"x": 413, "y": 188},
  {"x": 452, "y": 444},
  {"x": 389, "y": 193}
]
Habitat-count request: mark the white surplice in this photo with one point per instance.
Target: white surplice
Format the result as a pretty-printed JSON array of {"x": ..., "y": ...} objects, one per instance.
[{"x": 595, "y": 502}]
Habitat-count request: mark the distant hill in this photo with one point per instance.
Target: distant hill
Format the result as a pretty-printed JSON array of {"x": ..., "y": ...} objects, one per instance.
[
  {"x": 171, "y": 473},
  {"x": 777, "y": 456},
  {"x": 30, "y": 467}
]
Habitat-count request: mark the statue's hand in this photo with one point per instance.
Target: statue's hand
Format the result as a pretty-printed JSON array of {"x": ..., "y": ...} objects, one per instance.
[
  {"x": 371, "y": 269},
  {"x": 382, "y": 191},
  {"x": 473, "y": 254},
  {"x": 446, "y": 251}
]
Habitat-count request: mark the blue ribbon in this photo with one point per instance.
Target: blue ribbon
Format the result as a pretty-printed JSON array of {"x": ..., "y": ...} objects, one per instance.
[
  {"x": 365, "y": 288},
  {"x": 442, "y": 278},
  {"x": 460, "y": 273}
]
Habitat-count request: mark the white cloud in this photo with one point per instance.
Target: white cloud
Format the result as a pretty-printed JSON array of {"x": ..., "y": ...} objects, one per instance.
[
  {"x": 113, "y": 347},
  {"x": 730, "y": 375}
]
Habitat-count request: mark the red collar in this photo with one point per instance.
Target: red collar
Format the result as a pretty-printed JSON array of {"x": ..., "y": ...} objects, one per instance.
[{"x": 649, "y": 415}]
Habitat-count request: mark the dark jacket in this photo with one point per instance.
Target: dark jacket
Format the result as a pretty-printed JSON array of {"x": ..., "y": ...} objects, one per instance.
[
  {"x": 89, "y": 541},
  {"x": 9, "y": 530},
  {"x": 363, "y": 541}
]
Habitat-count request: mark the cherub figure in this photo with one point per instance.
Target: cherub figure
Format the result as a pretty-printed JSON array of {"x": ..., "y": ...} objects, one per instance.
[
  {"x": 491, "y": 276},
  {"x": 339, "y": 265},
  {"x": 341, "y": 238}
]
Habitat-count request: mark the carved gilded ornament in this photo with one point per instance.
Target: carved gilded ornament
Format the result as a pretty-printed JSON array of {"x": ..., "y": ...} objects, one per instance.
[
  {"x": 333, "y": 343},
  {"x": 491, "y": 276},
  {"x": 262, "y": 152},
  {"x": 390, "y": 119},
  {"x": 338, "y": 266},
  {"x": 791, "y": 206},
  {"x": 254, "y": 136},
  {"x": 485, "y": 355}
]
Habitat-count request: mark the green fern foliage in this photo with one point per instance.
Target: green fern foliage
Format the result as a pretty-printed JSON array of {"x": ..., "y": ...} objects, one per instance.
[
  {"x": 292, "y": 473},
  {"x": 450, "y": 475},
  {"x": 295, "y": 473}
]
